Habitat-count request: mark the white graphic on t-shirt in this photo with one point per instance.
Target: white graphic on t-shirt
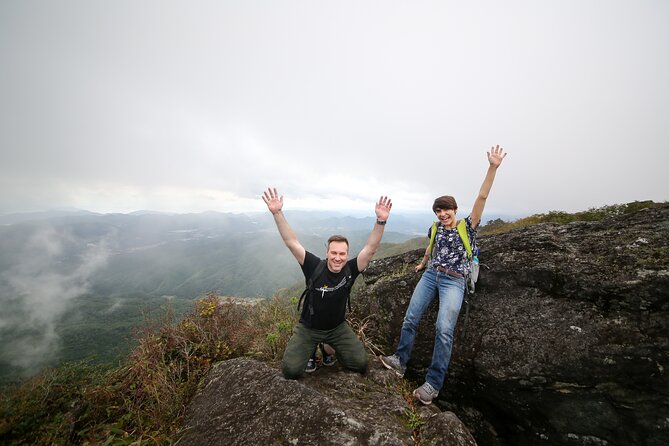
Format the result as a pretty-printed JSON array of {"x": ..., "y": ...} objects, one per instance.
[{"x": 326, "y": 289}]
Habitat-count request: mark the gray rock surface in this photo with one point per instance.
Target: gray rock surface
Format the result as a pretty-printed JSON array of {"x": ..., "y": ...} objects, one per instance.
[
  {"x": 246, "y": 402},
  {"x": 567, "y": 338}
]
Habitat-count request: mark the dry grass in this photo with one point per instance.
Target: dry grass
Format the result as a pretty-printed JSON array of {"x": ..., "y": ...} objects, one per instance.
[{"x": 144, "y": 400}]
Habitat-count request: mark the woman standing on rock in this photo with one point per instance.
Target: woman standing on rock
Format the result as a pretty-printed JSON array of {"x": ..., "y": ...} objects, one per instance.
[{"x": 447, "y": 265}]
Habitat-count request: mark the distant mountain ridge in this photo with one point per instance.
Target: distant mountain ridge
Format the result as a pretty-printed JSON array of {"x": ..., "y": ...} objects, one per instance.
[
  {"x": 22, "y": 217},
  {"x": 183, "y": 254},
  {"x": 403, "y": 222}
]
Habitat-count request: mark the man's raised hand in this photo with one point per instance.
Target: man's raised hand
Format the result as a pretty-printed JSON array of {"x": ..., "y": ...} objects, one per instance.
[
  {"x": 383, "y": 208},
  {"x": 272, "y": 200}
]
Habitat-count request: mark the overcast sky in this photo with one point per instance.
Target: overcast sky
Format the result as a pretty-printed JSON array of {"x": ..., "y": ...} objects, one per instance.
[{"x": 118, "y": 106}]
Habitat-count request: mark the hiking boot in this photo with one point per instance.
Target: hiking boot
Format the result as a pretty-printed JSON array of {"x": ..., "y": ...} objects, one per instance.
[
  {"x": 393, "y": 363},
  {"x": 311, "y": 366},
  {"x": 425, "y": 393}
]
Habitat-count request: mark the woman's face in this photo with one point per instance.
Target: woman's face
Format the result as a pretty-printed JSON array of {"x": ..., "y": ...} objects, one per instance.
[{"x": 446, "y": 217}]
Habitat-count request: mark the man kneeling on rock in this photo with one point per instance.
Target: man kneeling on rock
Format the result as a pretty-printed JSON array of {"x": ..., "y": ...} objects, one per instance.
[{"x": 323, "y": 313}]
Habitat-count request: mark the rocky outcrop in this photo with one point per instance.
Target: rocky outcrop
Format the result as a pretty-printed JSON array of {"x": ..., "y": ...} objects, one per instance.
[
  {"x": 246, "y": 402},
  {"x": 567, "y": 337}
]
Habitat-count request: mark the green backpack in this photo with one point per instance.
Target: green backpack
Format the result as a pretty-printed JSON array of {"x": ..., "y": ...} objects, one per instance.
[{"x": 473, "y": 276}]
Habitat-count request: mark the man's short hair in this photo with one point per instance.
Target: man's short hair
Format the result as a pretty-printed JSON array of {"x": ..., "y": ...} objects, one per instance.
[
  {"x": 337, "y": 238},
  {"x": 444, "y": 202}
]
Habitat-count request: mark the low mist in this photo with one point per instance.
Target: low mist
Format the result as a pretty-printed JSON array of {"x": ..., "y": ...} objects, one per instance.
[{"x": 51, "y": 270}]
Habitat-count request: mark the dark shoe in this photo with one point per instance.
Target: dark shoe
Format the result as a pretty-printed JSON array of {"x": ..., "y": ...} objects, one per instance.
[
  {"x": 393, "y": 362},
  {"x": 327, "y": 354},
  {"x": 329, "y": 360},
  {"x": 425, "y": 393},
  {"x": 311, "y": 366}
]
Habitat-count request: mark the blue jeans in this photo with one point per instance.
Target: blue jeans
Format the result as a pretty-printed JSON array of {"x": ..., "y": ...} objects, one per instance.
[{"x": 451, "y": 291}]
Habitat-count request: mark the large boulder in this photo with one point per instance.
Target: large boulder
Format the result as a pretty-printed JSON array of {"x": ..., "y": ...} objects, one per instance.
[
  {"x": 567, "y": 336},
  {"x": 246, "y": 402}
]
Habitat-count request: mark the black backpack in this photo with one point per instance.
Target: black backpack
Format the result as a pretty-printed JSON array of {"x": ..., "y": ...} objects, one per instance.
[{"x": 320, "y": 268}]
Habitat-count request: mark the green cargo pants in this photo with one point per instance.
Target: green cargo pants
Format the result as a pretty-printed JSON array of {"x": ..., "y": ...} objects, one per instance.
[{"x": 349, "y": 350}]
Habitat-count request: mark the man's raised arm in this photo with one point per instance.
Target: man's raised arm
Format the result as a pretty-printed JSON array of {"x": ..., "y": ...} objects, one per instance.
[
  {"x": 275, "y": 204},
  {"x": 382, "y": 212}
]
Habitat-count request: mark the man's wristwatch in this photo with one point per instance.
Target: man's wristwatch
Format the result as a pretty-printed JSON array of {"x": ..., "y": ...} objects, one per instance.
[{"x": 379, "y": 222}]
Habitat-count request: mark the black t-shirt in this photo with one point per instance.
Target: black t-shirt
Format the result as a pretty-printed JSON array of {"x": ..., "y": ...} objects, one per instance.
[{"x": 329, "y": 295}]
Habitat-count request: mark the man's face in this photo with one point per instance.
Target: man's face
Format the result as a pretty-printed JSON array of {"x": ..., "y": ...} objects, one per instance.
[
  {"x": 446, "y": 217},
  {"x": 337, "y": 256}
]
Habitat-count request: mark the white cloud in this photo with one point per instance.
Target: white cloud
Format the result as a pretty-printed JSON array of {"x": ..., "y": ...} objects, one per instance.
[{"x": 120, "y": 108}]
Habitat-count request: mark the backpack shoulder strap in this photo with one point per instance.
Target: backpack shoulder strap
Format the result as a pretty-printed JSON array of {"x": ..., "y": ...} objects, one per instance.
[
  {"x": 347, "y": 273},
  {"x": 349, "y": 284},
  {"x": 310, "y": 281},
  {"x": 462, "y": 231},
  {"x": 318, "y": 271},
  {"x": 433, "y": 235}
]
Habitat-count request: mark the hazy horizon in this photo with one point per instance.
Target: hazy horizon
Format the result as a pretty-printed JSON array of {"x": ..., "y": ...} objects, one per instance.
[{"x": 357, "y": 213}]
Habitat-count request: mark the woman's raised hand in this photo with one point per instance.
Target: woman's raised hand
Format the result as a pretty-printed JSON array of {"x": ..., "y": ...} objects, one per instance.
[{"x": 496, "y": 155}]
